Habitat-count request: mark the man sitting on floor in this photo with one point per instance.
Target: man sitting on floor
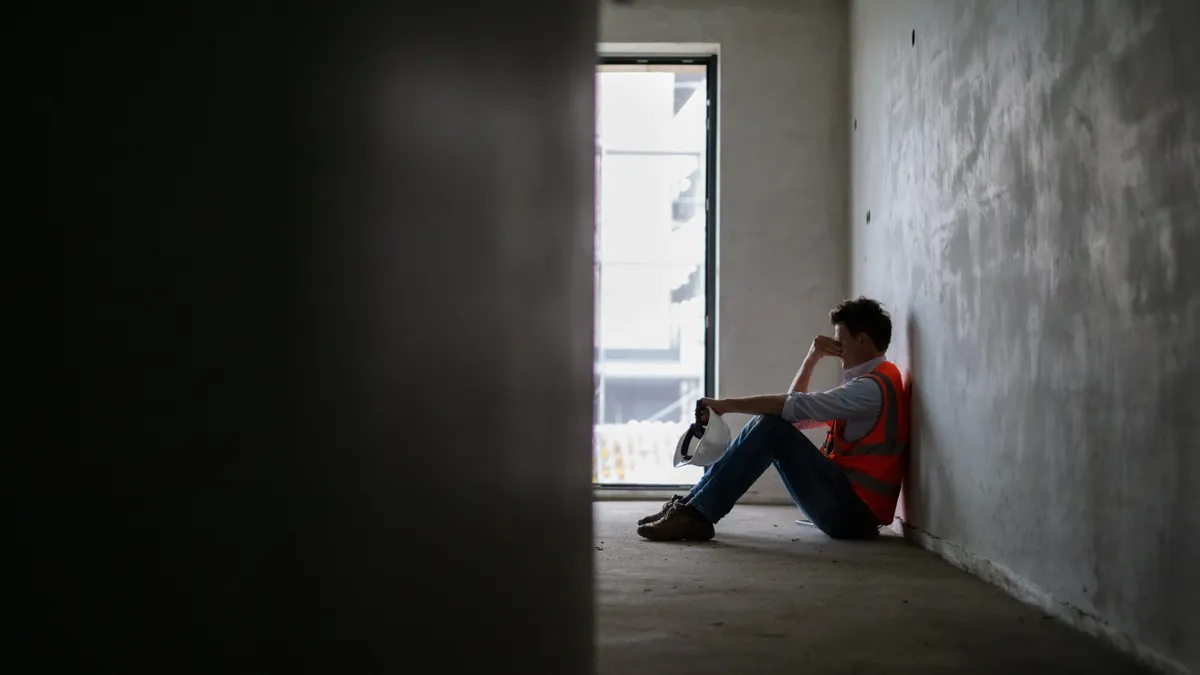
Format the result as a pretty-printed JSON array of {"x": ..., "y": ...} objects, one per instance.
[{"x": 850, "y": 486}]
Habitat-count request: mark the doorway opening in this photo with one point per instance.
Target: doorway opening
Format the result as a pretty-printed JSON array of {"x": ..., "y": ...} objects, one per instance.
[{"x": 654, "y": 348}]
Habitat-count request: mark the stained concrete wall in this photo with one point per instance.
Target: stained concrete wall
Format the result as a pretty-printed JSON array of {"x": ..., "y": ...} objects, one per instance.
[
  {"x": 782, "y": 242},
  {"x": 309, "y": 268},
  {"x": 1032, "y": 174}
]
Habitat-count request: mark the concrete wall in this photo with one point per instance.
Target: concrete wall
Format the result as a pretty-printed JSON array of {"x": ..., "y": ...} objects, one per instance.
[
  {"x": 782, "y": 197},
  {"x": 1032, "y": 173}
]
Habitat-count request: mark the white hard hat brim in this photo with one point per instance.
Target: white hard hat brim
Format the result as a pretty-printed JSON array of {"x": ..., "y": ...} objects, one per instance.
[{"x": 706, "y": 450}]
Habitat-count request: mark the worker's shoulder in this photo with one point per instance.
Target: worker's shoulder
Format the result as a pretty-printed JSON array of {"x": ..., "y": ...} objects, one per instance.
[{"x": 866, "y": 382}]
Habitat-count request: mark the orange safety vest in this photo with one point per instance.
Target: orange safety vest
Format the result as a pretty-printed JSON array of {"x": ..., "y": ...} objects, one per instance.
[{"x": 874, "y": 464}]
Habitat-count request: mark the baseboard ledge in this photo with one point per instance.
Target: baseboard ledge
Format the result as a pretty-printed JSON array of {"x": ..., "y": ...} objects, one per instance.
[{"x": 1029, "y": 593}]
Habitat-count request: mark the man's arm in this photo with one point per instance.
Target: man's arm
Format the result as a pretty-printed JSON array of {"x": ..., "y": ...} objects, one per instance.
[
  {"x": 773, "y": 404},
  {"x": 858, "y": 398},
  {"x": 821, "y": 347},
  {"x": 803, "y": 376},
  {"x": 769, "y": 404},
  {"x": 800, "y": 385}
]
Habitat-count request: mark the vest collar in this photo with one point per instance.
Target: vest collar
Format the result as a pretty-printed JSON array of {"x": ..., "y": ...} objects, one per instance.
[{"x": 862, "y": 368}]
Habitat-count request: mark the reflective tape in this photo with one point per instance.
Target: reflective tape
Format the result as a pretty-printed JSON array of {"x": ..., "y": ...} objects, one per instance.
[
  {"x": 876, "y": 449},
  {"x": 872, "y": 483}
]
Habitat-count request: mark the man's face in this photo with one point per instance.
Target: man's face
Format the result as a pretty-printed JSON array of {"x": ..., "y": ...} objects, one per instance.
[{"x": 854, "y": 347}]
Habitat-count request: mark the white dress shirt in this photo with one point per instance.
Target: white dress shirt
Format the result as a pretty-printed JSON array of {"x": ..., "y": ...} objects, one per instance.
[{"x": 858, "y": 401}]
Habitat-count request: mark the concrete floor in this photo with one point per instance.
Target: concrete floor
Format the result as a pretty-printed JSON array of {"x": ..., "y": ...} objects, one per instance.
[{"x": 770, "y": 596}]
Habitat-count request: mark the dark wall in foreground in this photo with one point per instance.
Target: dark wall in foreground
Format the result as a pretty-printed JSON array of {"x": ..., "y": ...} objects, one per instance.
[
  {"x": 1032, "y": 173},
  {"x": 315, "y": 266}
]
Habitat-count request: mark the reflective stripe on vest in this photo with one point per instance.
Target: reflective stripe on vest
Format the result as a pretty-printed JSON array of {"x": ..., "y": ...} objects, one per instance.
[{"x": 871, "y": 483}]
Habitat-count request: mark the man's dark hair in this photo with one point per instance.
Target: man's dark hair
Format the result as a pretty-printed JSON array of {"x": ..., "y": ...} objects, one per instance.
[{"x": 864, "y": 315}]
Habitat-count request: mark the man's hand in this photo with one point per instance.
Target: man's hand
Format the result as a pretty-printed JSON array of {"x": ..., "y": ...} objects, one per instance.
[
  {"x": 770, "y": 404},
  {"x": 823, "y": 346},
  {"x": 717, "y": 405}
]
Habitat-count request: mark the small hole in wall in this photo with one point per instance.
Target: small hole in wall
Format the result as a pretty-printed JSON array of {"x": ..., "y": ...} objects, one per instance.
[
  {"x": 868, "y": 216},
  {"x": 856, "y": 125},
  {"x": 914, "y": 37}
]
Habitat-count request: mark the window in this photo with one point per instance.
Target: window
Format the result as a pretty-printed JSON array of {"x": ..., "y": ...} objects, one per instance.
[{"x": 655, "y": 227}]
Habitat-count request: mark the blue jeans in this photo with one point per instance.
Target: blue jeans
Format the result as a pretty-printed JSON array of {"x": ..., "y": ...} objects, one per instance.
[{"x": 816, "y": 484}]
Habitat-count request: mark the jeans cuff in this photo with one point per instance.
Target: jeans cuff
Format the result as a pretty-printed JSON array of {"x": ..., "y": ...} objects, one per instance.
[{"x": 703, "y": 511}]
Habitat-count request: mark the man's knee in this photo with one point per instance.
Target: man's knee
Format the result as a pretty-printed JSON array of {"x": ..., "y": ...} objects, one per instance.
[
  {"x": 768, "y": 422},
  {"x": 762, "y": 432},
  {"x": 770, "y": 425}
]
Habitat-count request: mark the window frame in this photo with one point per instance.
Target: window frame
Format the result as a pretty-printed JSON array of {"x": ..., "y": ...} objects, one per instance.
[{"x": 709, "y": 61}]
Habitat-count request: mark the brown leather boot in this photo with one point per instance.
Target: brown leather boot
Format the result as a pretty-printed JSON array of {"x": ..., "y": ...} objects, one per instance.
[{"x": 681, "y": 523}]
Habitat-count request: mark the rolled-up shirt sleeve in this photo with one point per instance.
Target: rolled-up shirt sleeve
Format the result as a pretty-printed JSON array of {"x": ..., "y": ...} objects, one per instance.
[{"x": 860, "y": 397}]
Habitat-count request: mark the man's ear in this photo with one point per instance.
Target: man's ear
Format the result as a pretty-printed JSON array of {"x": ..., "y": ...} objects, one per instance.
[{"x": 866, "y": 341}]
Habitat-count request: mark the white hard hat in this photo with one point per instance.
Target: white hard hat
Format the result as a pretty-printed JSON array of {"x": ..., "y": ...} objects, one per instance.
[{"x": 703, "y": 445}]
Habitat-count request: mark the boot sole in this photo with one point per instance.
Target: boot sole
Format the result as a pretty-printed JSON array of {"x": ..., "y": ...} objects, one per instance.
[{"x": 652, "y": 537}]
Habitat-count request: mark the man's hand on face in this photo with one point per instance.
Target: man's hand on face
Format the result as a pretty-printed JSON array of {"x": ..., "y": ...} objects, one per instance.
[{"x": 823, "y": 346}]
